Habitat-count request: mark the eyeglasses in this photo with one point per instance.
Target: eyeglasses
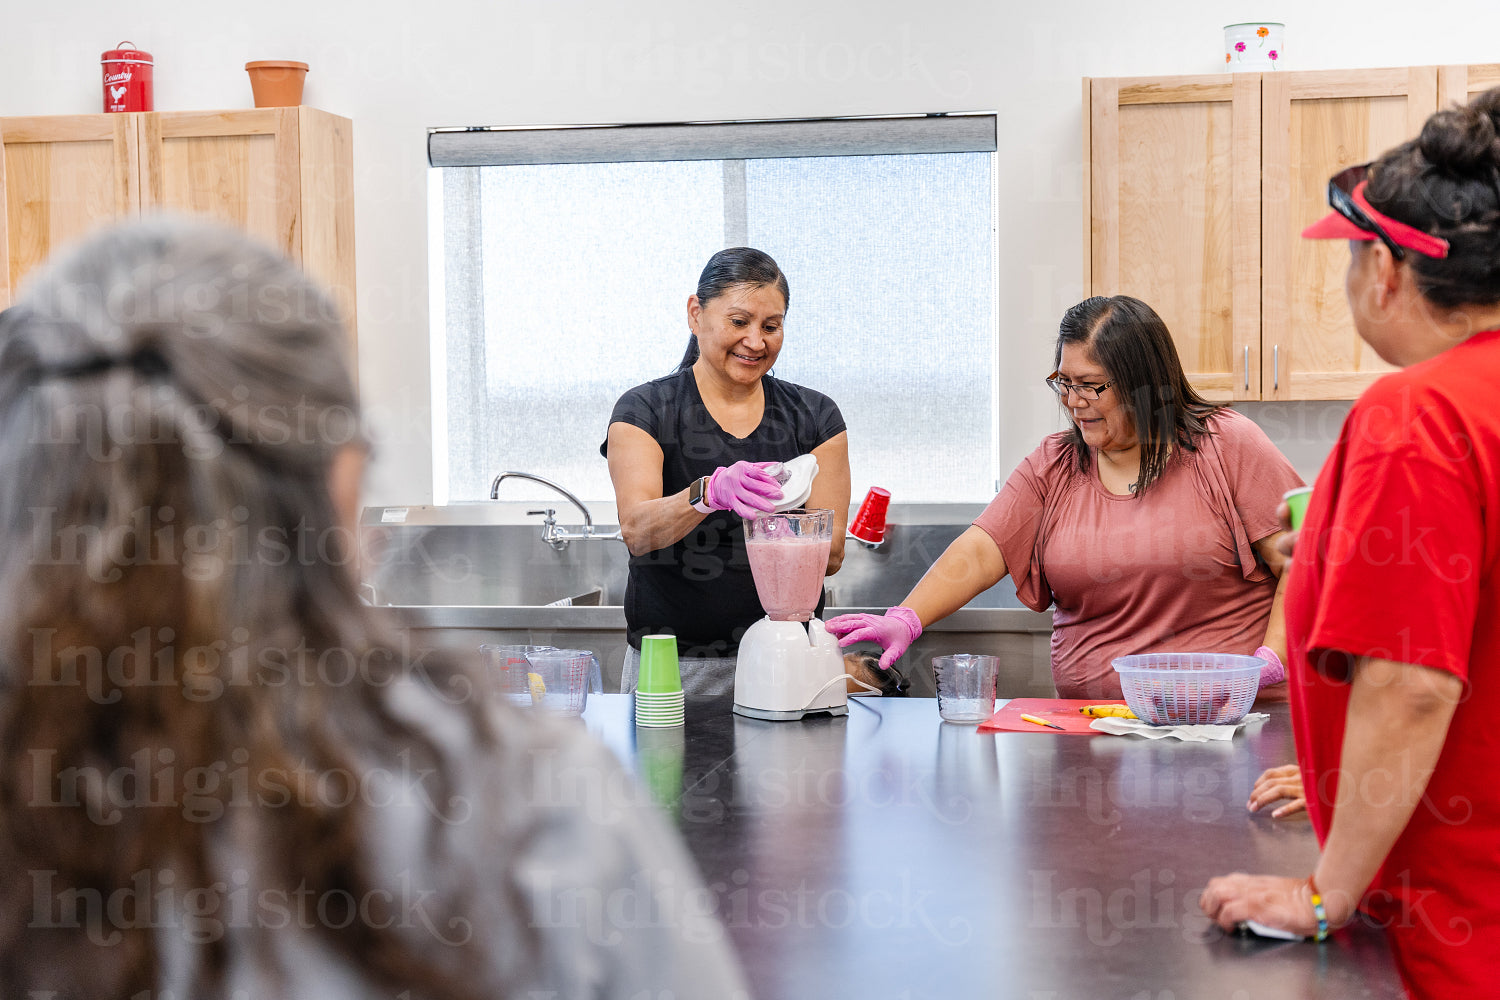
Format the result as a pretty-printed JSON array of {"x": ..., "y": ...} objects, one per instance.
[
  {"x": 1057, "y": 385},
  {"x": 1341, "y": 199}
]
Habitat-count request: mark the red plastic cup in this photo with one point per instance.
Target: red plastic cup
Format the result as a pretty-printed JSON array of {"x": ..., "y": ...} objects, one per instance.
[
  {"x": 127, "y": 78},
  {"x": 869, "y": 523}
]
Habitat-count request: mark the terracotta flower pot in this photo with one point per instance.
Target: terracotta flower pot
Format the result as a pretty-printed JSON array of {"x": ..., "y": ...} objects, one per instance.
[{"x": 276, "y": 83}]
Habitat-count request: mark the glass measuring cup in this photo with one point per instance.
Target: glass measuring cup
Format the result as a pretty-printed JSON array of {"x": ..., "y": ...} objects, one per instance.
[{"x": 560, "y": 679}]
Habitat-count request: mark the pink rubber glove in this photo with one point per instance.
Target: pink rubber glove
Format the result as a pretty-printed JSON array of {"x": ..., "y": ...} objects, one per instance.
[
  {"x": 1273, "y": 672},
  {"x": 895, "y": 630},
  {"x": 744, "y": 487}
]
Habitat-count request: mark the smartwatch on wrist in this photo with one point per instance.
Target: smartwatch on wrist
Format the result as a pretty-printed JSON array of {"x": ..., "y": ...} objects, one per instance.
[{"x": 698, "y": 495}]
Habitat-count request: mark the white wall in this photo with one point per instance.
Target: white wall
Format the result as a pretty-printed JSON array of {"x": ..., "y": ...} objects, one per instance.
[{"x": 396, "y": 68}]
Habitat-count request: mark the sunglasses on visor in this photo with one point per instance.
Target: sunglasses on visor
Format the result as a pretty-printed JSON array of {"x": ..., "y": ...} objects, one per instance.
[{"x": 1346, "y": 196}]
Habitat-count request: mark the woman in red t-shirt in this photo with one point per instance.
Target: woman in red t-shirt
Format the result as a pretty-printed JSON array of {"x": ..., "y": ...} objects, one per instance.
[
  {"x": 1393, "y": 638},
  {"x": 1149, "y": 525}
]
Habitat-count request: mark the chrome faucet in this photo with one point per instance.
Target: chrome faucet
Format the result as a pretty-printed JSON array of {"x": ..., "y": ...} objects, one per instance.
[{"x": 554, "y": 536}]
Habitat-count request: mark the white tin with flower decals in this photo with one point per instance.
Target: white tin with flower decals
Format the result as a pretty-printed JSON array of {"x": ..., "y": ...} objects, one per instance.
[{"x": 1254, "y": 46}]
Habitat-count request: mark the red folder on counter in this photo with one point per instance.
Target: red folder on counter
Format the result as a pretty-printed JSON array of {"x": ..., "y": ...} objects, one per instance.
[{"x": 1058, "y": 711}]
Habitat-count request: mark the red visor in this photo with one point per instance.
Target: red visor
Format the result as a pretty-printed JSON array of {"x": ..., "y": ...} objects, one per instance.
[{"x": 1334, "y": 226}]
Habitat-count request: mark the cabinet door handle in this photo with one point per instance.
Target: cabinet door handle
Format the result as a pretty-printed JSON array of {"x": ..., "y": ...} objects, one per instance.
[
  {"x": 1275, "y": 367},
  {"x": 1247, "y": 367}
]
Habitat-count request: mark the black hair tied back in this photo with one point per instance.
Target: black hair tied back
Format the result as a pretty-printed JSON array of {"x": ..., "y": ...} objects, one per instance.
[
  {"x": 1465, "y": 140},
  {"x": 1447, "y": 182}
]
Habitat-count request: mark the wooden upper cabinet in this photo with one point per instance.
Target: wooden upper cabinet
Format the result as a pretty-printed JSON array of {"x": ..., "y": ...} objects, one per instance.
[
  {"x": 1316, "y": 124},
  {"x": 1196, "y": 192},
  {"x": 1172, "y": 201},
  {"x": 61, "y": 176},
  {"x": 240, "y": 167},
  {"x": 326, "y": 194},
  {"x": 282, "y": 174},
  {"x": 1461, "y": 84}
]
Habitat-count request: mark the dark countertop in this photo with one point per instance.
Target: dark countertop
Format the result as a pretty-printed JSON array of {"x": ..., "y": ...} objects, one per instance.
[{"x": 888, "y": 855}]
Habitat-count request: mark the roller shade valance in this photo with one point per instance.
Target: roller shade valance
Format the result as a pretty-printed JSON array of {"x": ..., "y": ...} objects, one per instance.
[{"x": 948, "y": 133}]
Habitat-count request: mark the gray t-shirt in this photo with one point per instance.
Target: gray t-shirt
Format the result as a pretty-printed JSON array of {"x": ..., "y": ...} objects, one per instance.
[{"x": 546, "y": 859}]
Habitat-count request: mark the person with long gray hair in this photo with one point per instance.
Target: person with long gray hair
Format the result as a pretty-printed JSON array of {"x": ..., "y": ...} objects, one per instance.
[{"x": 221, "y": 774}]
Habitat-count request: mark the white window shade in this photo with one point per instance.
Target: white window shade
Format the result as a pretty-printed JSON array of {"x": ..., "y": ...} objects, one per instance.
[
  {"x": 558, "y": 286},
  {"x": 498, "y": 147}
]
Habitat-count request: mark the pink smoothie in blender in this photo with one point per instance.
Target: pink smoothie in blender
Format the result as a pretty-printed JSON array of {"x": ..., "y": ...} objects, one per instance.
[{"x": 789, "y": 557}]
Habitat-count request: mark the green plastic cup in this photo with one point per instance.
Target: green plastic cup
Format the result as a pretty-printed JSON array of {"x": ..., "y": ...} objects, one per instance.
[
  {"x": 1296, "y": 502},
  {"x": 659, "y": 674}
]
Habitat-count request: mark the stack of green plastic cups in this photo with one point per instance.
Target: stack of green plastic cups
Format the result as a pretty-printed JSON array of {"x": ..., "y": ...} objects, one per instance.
[{"x": 658, "y": 692}]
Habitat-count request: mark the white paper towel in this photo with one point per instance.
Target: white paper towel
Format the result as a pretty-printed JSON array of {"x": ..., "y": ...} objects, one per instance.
[{"x": 1188, "y": 734}]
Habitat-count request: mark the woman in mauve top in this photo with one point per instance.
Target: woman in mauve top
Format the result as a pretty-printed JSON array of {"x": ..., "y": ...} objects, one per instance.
[{"x": 1149, "y": 525}]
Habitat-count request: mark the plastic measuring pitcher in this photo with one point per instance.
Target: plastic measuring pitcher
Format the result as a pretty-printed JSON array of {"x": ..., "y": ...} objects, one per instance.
[
  {"x": 507, "y": 670},
  {"x": 560, "y": 679}
]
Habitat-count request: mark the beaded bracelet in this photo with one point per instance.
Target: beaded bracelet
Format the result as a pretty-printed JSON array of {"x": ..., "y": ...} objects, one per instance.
[{"x": 1318, "y": 910}]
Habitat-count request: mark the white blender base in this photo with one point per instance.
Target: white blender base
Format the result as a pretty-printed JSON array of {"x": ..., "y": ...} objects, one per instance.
[{"x": 788, "y": 670}]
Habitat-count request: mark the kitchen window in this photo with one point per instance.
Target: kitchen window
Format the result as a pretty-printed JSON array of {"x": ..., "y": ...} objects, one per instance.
[{"x": 562, "y": 260}]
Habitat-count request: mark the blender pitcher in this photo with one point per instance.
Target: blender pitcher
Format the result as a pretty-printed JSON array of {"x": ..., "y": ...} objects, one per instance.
[
  {"x": 788, "y": 555},
  {"x": 788, "y": 666}
]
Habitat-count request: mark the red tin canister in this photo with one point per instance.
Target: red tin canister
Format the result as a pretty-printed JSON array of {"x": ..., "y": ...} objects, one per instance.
[{"x": 127, "y": 78}]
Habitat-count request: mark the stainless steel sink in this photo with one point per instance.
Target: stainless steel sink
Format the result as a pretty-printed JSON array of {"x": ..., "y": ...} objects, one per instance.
[
  {"x": 466, "y": 574},
  {"x": 450, "y": 557},
  {"x": 468, "y": 555}
]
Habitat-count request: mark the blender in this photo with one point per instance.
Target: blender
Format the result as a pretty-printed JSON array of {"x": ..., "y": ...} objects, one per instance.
[{"x": 788, "y": 665}]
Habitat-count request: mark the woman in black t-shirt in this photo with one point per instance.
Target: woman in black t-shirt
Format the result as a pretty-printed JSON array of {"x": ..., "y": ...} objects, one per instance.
[{"x": 684, "y": 454}]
